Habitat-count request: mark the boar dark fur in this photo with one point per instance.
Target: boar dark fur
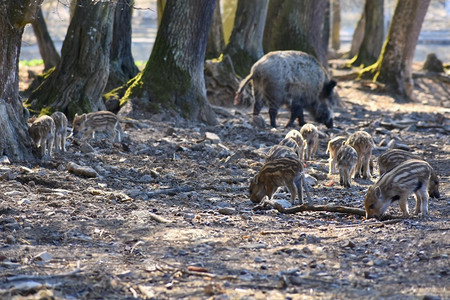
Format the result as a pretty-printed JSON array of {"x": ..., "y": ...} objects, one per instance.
[{"x": 291, "y": 78}]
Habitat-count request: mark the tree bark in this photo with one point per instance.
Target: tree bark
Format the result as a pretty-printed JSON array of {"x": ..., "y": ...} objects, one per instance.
[
  {"x": 79, "y": 79},
  {"x": 46, "y": 47},
  {"x": 15, "y": 141},
  {"x": 373, "y": 41},
  {"x": 216, "y": 42},
  {"x": 336, "y": 27},
  {"x": 245, "y": 46},
  {"x": 122, "y": 67},
  {"x": 173, "y": 77},
  {"x": 394, "y": 65},
  {"x": 296, "y": 25},
  {"x": 358, "y": 35}
]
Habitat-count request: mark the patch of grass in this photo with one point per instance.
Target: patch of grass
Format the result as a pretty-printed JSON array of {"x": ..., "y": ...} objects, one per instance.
[{"x": 31, "y": 63}]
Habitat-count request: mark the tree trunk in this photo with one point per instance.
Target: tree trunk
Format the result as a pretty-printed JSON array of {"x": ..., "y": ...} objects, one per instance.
[
  {"x": 326, "y": 28},
  {"x": 78, "y": 81},
  {"x": 245, "y": 46},
  {"x": 216, "y": 42},
  {"x": 122, "y": 67},
  {"x": 229, "y": 12},
  {"x": 336, "y": 27},
  {"x": 373, "y": 41},
  {"x": 160, "y": 5},
  {"x": 296, "y": 25},
  {"x": 173, "y": 77},
  {"x": 358, "y": 35},
  {"x": 394, "y": 64},
  {"x": 46, "y": 47},
  {"x": 15, "y": 141}
]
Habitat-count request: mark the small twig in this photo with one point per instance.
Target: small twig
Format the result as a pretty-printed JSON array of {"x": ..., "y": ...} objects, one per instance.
[
  {"x": 158, "y": 218},
  {"x": 170, "y": 191},
  {"x": 210, "y": 275},
  {"x": 44, "y": 277},
  {"x": 275, "y": 232}
]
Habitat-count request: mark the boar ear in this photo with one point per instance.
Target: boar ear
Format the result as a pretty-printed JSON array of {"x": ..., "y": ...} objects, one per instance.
[
  {"x": 328, "y": 88},
  {"x": 377, "y": 192}
]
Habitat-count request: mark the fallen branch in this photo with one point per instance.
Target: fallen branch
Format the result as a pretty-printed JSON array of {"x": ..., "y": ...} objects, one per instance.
[
  {"x": 391, "y": 220},
  {"x": 307, "y": 207},
  {"x": 43, "y": 277}
]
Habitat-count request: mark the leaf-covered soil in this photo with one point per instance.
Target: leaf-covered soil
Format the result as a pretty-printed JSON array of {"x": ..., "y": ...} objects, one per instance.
[{"x": 169, "y": 217}]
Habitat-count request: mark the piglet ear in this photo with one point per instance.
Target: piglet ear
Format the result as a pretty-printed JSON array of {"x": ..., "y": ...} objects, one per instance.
[{"x": 377, "y": 192}]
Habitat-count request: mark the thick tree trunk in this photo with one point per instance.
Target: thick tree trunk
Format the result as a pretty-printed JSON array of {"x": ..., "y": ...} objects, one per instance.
[
  {"x": 216, "y": 42},
  {"x": 394, "y": 64},
  {"x": 173, "y": 77},
  {"x": 373, "y": 41},
  {"x": 336, "y": 27},
  {"x": 15, "y": 141},
  {"x": 358, "y": 35},
  {"x": 245, "y": 46},
  {"x": 46, "y": 47},
  {"x": 122, "y": 67},
  {"x": 160, "y": 5},
  {"x": 296, "y": 25},
  {"x": 79, "y": 79}
]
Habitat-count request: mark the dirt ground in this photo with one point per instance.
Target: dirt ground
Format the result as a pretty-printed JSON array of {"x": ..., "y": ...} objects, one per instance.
[{"x": 168, "y": 216}]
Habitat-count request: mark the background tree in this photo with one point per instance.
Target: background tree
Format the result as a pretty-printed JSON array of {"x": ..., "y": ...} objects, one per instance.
[
  {"x": 76, "y": 84},
  {"x": 393, "y": 67},
  {"x": 228, "y": 14},
  {"x": 122, "y": 66},
  {"x": 358, "y": 35},
  {"x": 216, "y": 42},
  {"x": 15, "y": 141},
  {"x": 296, "y": 25},
  {"x": 336, "y": 24},
  {"x": 373, "y": 39},
  {"x": 173, "y": 76},
  {"x": 245, "y": 45},
  {"x": 46, "y": 47}
]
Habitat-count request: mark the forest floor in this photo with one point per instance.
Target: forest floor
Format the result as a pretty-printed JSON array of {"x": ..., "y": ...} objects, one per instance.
[{"x": 169, "y": 216}]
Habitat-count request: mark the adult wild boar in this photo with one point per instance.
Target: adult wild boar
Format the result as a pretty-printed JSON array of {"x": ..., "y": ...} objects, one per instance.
[{"x": 291, "y": 78}]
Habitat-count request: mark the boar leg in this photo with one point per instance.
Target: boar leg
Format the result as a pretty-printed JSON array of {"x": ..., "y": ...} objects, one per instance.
[
  {"x": 404, "y": 205},
  {"x": 257, "y": 106},
  {"x": 293, "y": 190},
  {"x": 421, "y": 202},
  {"x": 273, "y": 117},
  {"x": 296, "y": 112},
  {"x": 298, "y": 184}
]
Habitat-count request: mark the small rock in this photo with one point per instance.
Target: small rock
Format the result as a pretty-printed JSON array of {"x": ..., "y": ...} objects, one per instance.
[
  {"x": 227, "y": 211},
  {"x": 9, "y": 175},
  {"x": 4, "y": 160},
  {"x": 170, "y": 131},
  {"x": 310, "y": 180},
  {"x": 86, "y": 148},
  {"x": 43, "y": 256},
  {"x": 10, "y": 239},
  {"x": 284, "y": 203},
  {"x": 146, "y": 178},
  {"x": 431, "y": 297},
  {"x": 214, "y": 138},
  {"x": 258, "y": 122}
]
